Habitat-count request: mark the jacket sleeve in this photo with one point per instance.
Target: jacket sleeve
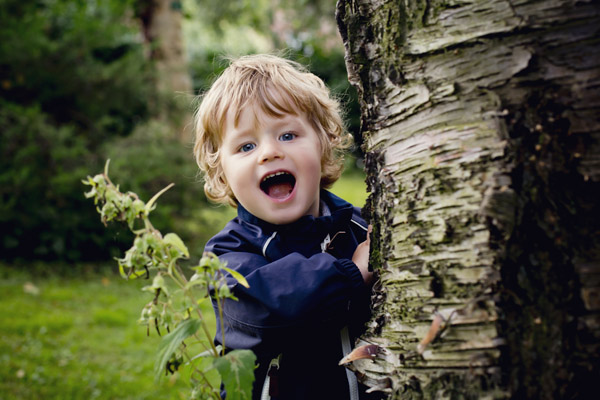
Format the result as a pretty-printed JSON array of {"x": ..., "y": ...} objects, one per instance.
[
  {"x": 291, "y": 292},
  {"x": 294, "y": 287}
]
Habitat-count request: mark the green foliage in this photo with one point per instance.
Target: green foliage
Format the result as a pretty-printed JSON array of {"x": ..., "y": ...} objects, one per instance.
[
  {"x": 40, "y": 166},
  {"x": 300, "y": 15},
  {"x": 81, "y": 62},
  {"x": 237, "y": 371},
  {"x": 175, "y": 306},
  {"x": 219, "y": 13},
  {"x": 73, "y": 79},
  {"x": 169, "y": 345}
]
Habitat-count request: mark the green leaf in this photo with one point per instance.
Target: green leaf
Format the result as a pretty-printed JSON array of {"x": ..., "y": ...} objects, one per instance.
[
  {"x": 150, "y": 204},
  {"x": 207, "y": 353},
  {"x": 199, "y": 281},
  {"x": 238, "y": 277},
  {"x": 129, "y": 275},
  {"x": 122, "y": 271},
  {"x": 210, "y": 263},
  {"x": 171, "y": 342},
  {"x": 106, "y": 167},
  {"x": 176, "y": 242},
  {"x": 237, "y": 373},
  {"x": 157, "y": 283}
]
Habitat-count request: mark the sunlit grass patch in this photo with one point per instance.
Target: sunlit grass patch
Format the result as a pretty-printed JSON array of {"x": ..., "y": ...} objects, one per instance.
[
  {"x": 109, "y": 317},
  {"x": 78, "y": 338},
  {"x": 352, "y": 188}
]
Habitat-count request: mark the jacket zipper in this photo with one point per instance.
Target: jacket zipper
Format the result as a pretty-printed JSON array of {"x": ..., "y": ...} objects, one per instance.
[
  {"x": 346, "y": 349},
  {"x": 266, "y": 390}
]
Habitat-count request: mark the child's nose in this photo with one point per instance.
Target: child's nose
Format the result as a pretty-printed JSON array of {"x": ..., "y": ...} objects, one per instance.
[{"x": 270, "y": 151}]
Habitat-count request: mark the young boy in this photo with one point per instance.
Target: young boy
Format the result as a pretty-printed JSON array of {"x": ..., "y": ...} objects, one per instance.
[{"x": 268, "y": 139}]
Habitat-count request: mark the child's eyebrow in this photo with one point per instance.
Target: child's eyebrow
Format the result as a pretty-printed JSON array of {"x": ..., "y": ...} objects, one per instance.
[
  {"x": 238, "y": 133},
  {"x": 288, "y": 120}
]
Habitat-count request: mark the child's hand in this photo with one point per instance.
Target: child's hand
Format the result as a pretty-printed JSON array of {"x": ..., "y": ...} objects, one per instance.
[{"x": 361, "y": 258}]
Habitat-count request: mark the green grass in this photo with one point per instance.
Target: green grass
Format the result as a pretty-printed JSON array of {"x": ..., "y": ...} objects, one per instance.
[{"x": 77, "y": 338}]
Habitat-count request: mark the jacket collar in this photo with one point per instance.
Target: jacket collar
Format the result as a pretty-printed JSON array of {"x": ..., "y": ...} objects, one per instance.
[{"x": 341, "y": 213}]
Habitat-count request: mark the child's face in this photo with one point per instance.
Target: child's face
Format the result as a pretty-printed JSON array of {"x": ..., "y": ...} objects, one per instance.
[{"x": 273, "y": 165}]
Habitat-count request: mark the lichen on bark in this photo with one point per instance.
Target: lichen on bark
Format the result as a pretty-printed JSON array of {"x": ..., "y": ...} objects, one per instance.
[{"x": 471, "y": 118}]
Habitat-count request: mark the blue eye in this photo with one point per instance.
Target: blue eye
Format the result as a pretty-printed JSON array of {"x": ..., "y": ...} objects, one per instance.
[
  {"x": 247, "y": 147},
  {"x": 286, "y": 137}
]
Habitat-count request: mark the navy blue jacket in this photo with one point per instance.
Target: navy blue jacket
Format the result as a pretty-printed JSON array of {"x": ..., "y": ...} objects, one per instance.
[{"x": 304, "y": 288}]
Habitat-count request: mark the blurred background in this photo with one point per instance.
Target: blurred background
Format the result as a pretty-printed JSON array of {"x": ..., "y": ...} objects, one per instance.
[{"x": 82, "y": 81}]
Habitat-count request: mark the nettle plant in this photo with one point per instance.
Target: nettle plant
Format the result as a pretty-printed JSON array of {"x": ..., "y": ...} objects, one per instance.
[{"x": 177, "y": 302}]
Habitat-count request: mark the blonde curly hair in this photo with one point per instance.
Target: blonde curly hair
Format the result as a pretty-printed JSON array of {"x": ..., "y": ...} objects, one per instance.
[{"x": 278, "y": 86}]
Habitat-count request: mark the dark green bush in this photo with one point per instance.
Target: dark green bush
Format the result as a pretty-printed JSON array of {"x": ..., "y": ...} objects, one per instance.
[
  {"x": 42, "y": 212},
  {"x": 73, "y": 77},
  {"x": 81, "y": 62}
]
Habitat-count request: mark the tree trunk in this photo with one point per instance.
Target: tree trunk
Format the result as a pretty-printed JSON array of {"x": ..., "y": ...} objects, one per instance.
[
  {"x": 161, "y": 22},
  {"x": 482, "y": 132}
]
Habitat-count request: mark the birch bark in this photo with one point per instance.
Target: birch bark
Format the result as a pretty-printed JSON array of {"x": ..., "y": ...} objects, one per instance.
[{"x": 481, "y": 124}]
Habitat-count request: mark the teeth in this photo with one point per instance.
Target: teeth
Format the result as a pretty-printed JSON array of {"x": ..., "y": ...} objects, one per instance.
[{"x": 275, "y": 174}]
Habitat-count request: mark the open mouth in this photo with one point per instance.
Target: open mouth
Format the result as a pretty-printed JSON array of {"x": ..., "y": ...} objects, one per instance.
[{"x": 278, "y": 185}]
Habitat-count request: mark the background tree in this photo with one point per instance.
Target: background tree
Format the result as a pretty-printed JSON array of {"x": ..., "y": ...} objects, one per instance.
[
  {"x": 481, "y": 122},
  {"x": 162, "y": 30}
]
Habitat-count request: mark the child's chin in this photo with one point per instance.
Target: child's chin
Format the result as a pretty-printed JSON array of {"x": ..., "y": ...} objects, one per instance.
[{"x": 281, "y": 217}]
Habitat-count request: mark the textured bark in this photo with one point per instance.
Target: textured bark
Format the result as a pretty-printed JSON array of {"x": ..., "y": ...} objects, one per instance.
[
  {"x": 482, "y": 131},
  {"x": 161, "y": 20}
]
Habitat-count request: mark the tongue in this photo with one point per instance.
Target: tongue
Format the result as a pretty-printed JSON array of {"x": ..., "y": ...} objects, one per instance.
[{"x": 280, "y": 190}]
